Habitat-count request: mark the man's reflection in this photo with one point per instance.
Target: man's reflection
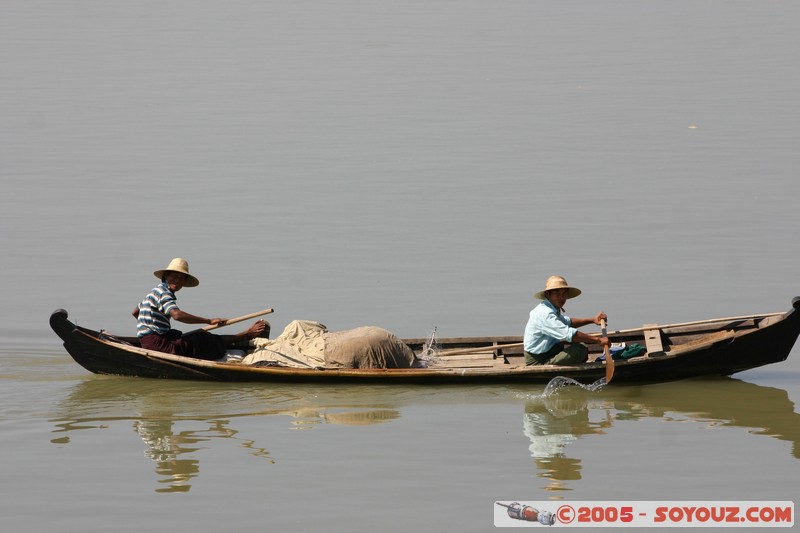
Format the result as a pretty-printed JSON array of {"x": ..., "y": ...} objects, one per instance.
[
  {"x": 164, "y": 447},
  {"x": 169, "y": 449},
  {"x": 552, "y": 424}
]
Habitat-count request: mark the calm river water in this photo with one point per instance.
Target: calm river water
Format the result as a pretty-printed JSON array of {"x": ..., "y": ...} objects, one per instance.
[{"x": 411, "y": 165}]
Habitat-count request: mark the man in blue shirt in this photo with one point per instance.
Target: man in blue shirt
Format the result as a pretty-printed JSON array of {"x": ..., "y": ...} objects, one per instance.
[{"x": 551, "y": 337}]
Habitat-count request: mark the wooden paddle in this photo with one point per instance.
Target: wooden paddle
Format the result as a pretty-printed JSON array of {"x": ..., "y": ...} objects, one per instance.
[
  {"x": 607, "y": 352},
  {"x": 238, "y": 319}
]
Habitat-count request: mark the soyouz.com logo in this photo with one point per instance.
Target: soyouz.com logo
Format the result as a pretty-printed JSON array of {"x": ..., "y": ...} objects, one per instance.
[{"x": 644, "y": 514}]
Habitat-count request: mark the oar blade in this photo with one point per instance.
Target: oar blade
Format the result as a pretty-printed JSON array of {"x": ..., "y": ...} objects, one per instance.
[
  {"x": 607, "y": 352},
  {"x": 609, "y": 367}
]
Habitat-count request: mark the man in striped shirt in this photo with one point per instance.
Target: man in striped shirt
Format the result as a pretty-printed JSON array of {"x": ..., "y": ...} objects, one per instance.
[{"x": 153, "y": 316}]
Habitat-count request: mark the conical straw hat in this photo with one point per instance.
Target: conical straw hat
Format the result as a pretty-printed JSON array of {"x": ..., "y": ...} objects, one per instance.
[
  {"x": 179, "y": 265},
  {"x": 557, "y": 282}
]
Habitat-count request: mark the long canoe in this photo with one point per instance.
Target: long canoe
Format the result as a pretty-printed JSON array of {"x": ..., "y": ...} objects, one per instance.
[{"x": 720, "y": 346}]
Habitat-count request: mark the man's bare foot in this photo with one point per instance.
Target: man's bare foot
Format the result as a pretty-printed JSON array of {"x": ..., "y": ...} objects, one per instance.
[{"x": 256, "y": 329}]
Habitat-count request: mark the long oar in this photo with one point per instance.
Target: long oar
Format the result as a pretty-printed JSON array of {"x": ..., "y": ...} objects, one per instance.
[
  {"x": 479, "y": 349},
  {"x": 607, "y": 352},
  {"x": 698, "y": 322},
  {"x": 238, "y": 319}
]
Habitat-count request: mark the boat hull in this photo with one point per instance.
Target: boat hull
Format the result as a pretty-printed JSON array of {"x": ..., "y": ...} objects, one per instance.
[{"x": 720, "y": 348}]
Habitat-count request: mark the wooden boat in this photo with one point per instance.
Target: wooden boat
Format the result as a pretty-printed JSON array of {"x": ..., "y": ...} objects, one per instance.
[{"x": 721, "y": 346}]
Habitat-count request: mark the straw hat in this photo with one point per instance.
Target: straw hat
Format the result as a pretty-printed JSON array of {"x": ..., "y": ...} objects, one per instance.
[
  {"x": 557, "y": 282},
  {"x": 182, "y": 266}
]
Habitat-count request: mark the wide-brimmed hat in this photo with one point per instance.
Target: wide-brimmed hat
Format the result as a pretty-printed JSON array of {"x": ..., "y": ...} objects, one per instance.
[
  {"x": 557, "y": 282},
  {"x": 182, "y": 266}
]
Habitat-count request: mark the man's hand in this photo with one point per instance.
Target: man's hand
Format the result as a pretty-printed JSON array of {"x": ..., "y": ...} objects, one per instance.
[{"x": 600, "y": 317}]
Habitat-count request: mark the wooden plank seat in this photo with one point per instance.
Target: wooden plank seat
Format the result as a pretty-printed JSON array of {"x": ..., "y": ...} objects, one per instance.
[{"x": 652, "y": 340}]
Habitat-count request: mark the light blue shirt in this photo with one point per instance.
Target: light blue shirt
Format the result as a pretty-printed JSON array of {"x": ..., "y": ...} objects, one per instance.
[{"x": 547, "y": 327}]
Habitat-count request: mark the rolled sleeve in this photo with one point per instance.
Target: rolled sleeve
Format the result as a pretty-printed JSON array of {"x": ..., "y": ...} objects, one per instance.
[
  {"x": 168, "y": 305},
  {"x": 560, "y": 330}
]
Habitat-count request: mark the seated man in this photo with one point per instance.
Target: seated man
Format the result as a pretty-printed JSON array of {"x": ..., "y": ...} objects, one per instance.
[
  {"x": 153, "y": 314},
  {"x": 548, "y": 329}
]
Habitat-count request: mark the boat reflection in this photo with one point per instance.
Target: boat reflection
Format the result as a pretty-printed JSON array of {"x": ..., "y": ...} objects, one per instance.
[
  {"x": 173, "y": 437},
  {"x": 553, "y": 422},
  {"x": 179, "y": 421}
]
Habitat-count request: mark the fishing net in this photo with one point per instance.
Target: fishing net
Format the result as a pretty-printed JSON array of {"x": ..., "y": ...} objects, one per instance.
[{"x": 429, "y": 355}]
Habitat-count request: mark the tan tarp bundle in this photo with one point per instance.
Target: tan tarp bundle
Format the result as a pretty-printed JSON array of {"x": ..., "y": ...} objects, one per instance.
[
  {"x": 308, "y": 344},
  {"x": 366, "y": 347},
  {"x": 300, "y": 345}
]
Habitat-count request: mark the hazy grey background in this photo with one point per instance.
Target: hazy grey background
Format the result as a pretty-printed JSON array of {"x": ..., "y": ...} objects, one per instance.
[{"x": 405, "y": 164}]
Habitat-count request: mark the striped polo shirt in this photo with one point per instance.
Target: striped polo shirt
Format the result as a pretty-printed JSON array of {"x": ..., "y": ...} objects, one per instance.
[{"x": 154, "y": 311}]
